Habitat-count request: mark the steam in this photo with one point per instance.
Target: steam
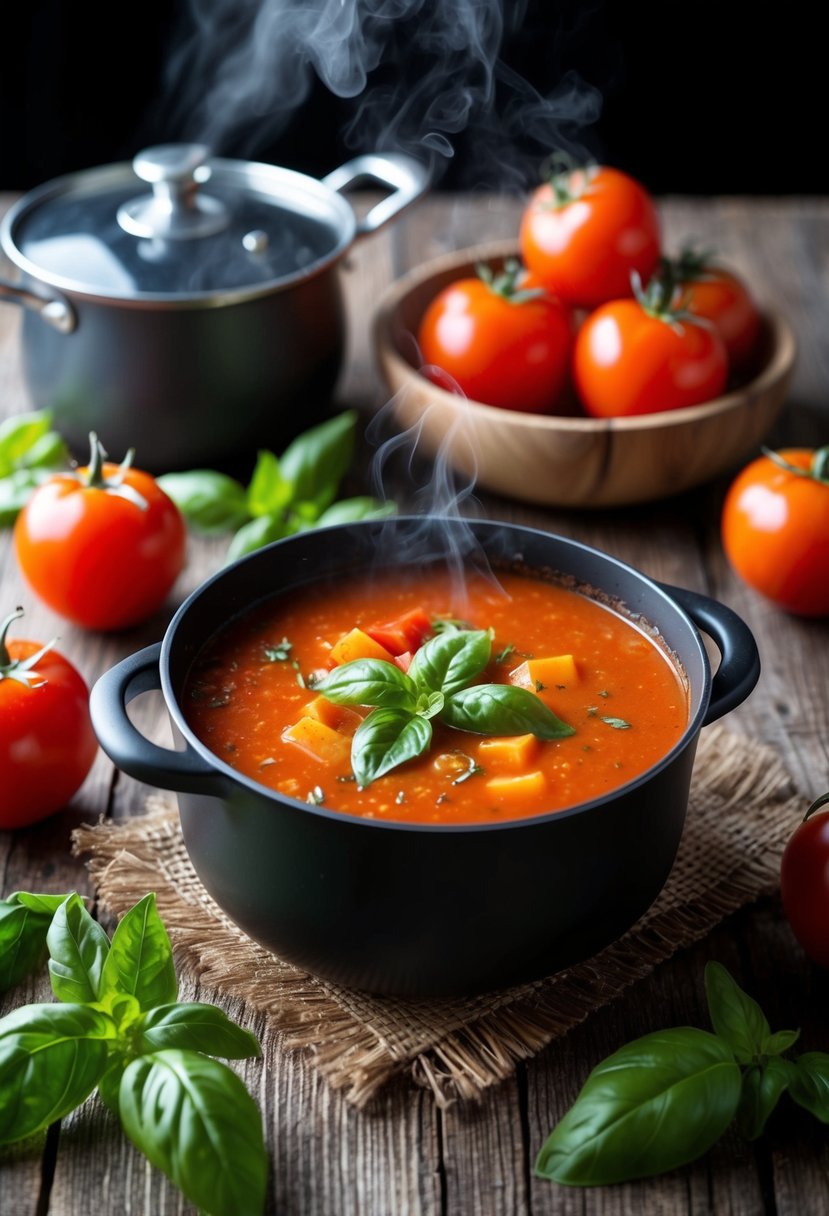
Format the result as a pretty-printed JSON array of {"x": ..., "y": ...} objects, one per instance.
[
  {"x": 413, "y": 75},
  {"x": 428, "y": 486}
]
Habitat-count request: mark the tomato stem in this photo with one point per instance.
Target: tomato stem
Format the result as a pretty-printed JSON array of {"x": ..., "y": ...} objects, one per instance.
[
  {"x": 818, "y": 470},
  {"x": 115, "y": 483},
  {"x": 816, "y": 805},
  {"x": 506, "y": 283},
  {"x": 21, "y": 670},
  {"x": 5, "y": 658}
]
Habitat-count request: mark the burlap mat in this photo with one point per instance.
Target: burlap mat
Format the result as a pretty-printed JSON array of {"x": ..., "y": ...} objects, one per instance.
[{"x": 743, "y": 808}]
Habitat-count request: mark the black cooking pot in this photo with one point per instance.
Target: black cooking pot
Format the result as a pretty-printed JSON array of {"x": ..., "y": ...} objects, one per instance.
[
  {"x": 411, "y": 909},
  {"x": 196, "y": 323}
]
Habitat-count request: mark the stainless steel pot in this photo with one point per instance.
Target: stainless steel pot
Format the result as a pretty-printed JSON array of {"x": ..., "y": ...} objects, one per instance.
[{"x": 196, "y": 317}]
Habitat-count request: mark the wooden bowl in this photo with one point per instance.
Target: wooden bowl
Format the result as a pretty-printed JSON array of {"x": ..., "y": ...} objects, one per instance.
[{"x": 570, "y": 460}]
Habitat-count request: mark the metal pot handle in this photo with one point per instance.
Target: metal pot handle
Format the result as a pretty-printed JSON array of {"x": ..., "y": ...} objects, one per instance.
[
  {"x": 406, "y": 177},
  {"x": 58, "y": 312},
  {"x": 739, "y": 668},
  {"x": 124, "y": 743}
]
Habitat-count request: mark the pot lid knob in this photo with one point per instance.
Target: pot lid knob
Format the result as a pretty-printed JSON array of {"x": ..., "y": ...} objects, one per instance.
[{"x": 176, "y": 209}]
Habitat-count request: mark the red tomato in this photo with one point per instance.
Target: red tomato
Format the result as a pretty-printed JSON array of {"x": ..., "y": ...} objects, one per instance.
[
  {"x": 47, "y": 743},
  {"x": 775, "y": 528},
  {"x": 804, "y": 883},
  {"x": 404, "y": 634},
  {"x": 628, "y": 360},
  {"x": 496, "y": 343},
  {"x": 723, "y": 298},
  {"x": 585, "y": 231},
  {"x": 102, "y": 546}
]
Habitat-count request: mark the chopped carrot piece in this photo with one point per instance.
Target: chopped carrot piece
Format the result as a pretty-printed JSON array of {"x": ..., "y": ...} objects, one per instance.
[
  {"x": 520, "y": 786},
  {"x": 546, "y": 676},
  {"x": 358, "y": 645},
  {"x": 513, "y": 751},
  {"x": 338, "y": 717},
  {"x": 404, "y": 633},
  {"x": 318, "y": 740}
]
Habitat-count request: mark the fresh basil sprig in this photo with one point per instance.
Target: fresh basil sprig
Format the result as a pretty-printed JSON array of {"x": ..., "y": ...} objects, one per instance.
[
  {"x": 29, "y": 452},
  {"x": 117, "y": 1026},
  {"x": 663, "y": 1100},
  {"x": 286, "y": 494},
  {"x": 438, "y": 684}
]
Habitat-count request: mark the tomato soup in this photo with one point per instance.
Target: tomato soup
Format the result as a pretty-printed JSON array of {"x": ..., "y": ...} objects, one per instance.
[{"x": 255, "y": 696}]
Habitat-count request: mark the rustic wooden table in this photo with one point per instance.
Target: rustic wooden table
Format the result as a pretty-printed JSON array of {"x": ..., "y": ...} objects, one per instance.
[{"x": 405, "y": 1155}]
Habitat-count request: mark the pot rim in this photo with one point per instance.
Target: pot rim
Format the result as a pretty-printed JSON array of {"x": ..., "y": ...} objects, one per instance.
[
  {"x": 687, "y": 738},
  {"x": 255, "y": 174}
]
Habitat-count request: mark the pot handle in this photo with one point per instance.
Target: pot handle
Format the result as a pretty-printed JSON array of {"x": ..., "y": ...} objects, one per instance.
[
  {"x": 406, "y": 177},
  {"x": 56, "y": 311},
  {"x": 124, "y": 743},
  {"x": 739, "y": 668}
]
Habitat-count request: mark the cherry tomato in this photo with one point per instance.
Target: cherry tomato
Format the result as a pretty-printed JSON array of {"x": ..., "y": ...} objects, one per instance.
[
  {"x": 498, "y": 343},
  {"x": 775, "y": 528},
  {"x": 804, "y": 882},
  {"x": 102, "y": 546},
  {"x": 634, "y": 358},
  {"x": 584, "y": 232},
  {"x": 720, "y": 296},
  {"x": 47, "y": 743}
]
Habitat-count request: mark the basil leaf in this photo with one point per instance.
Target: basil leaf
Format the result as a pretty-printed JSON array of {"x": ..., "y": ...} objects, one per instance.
[
  {"x": 269, "y": 491},
  {"x": 779, "y": 1042},
  {"x": 386, "y": 738},
  {"x": 195, "y": 1027},
  {"x": 109, "y": 1083},
  {"x": 809, "y": 1083},
  {"x": 429, "y": 704},
  {"x": 762, "y": 1088},
  {"x": 735, "y": 1016},
  {"x": 258, "y": 532},
  {"x": 46, "y": 454},
  {"x": 450, "y": 661},
  {"x": 44, "y": 905},
  {"x": 51, "y": 1058},
  {"x": 347, "y": 510},
  {"x": 316, "y": 461},
  {"x": 140, "y": 960},
  {"x": 369, "y": 682},
  {"x": 17, "y": 435},
  {"x": 24, "y": 923},
  {"x": 78, "y": 947},
  {"x": 16, "y": 489},
  {"x": 193, "y": 1119},
  {"x": 657, "y": 1103},
  {"x": 502, "y": 709},
  {"x": 210, "y": 502}
]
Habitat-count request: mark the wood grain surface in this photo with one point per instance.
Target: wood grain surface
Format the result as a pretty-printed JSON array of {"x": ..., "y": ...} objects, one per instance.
[{"x": 404, "y": 1157}]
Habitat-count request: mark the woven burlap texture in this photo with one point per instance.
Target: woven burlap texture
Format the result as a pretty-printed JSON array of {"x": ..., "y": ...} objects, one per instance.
[{"x": 742, "y": 809}]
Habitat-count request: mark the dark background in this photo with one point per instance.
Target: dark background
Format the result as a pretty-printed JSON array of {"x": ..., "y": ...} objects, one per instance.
[{"x": 695, "y": 99}]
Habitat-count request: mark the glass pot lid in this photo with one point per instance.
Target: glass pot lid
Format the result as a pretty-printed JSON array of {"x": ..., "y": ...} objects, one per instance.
[{"x": 178, "y": 225}]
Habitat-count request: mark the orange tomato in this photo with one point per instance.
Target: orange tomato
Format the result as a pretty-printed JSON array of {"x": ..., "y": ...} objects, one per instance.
[
  {"x": 628, "y": 360},
  {"x": 47, "y": 743},
  {"x": 102, "y": 546},
  {"x": 723, "y": 298},
  {"x": 775, "y": 528},
  {"x": 495, "y": 341},
  {"x": 584, "y": 232}
]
